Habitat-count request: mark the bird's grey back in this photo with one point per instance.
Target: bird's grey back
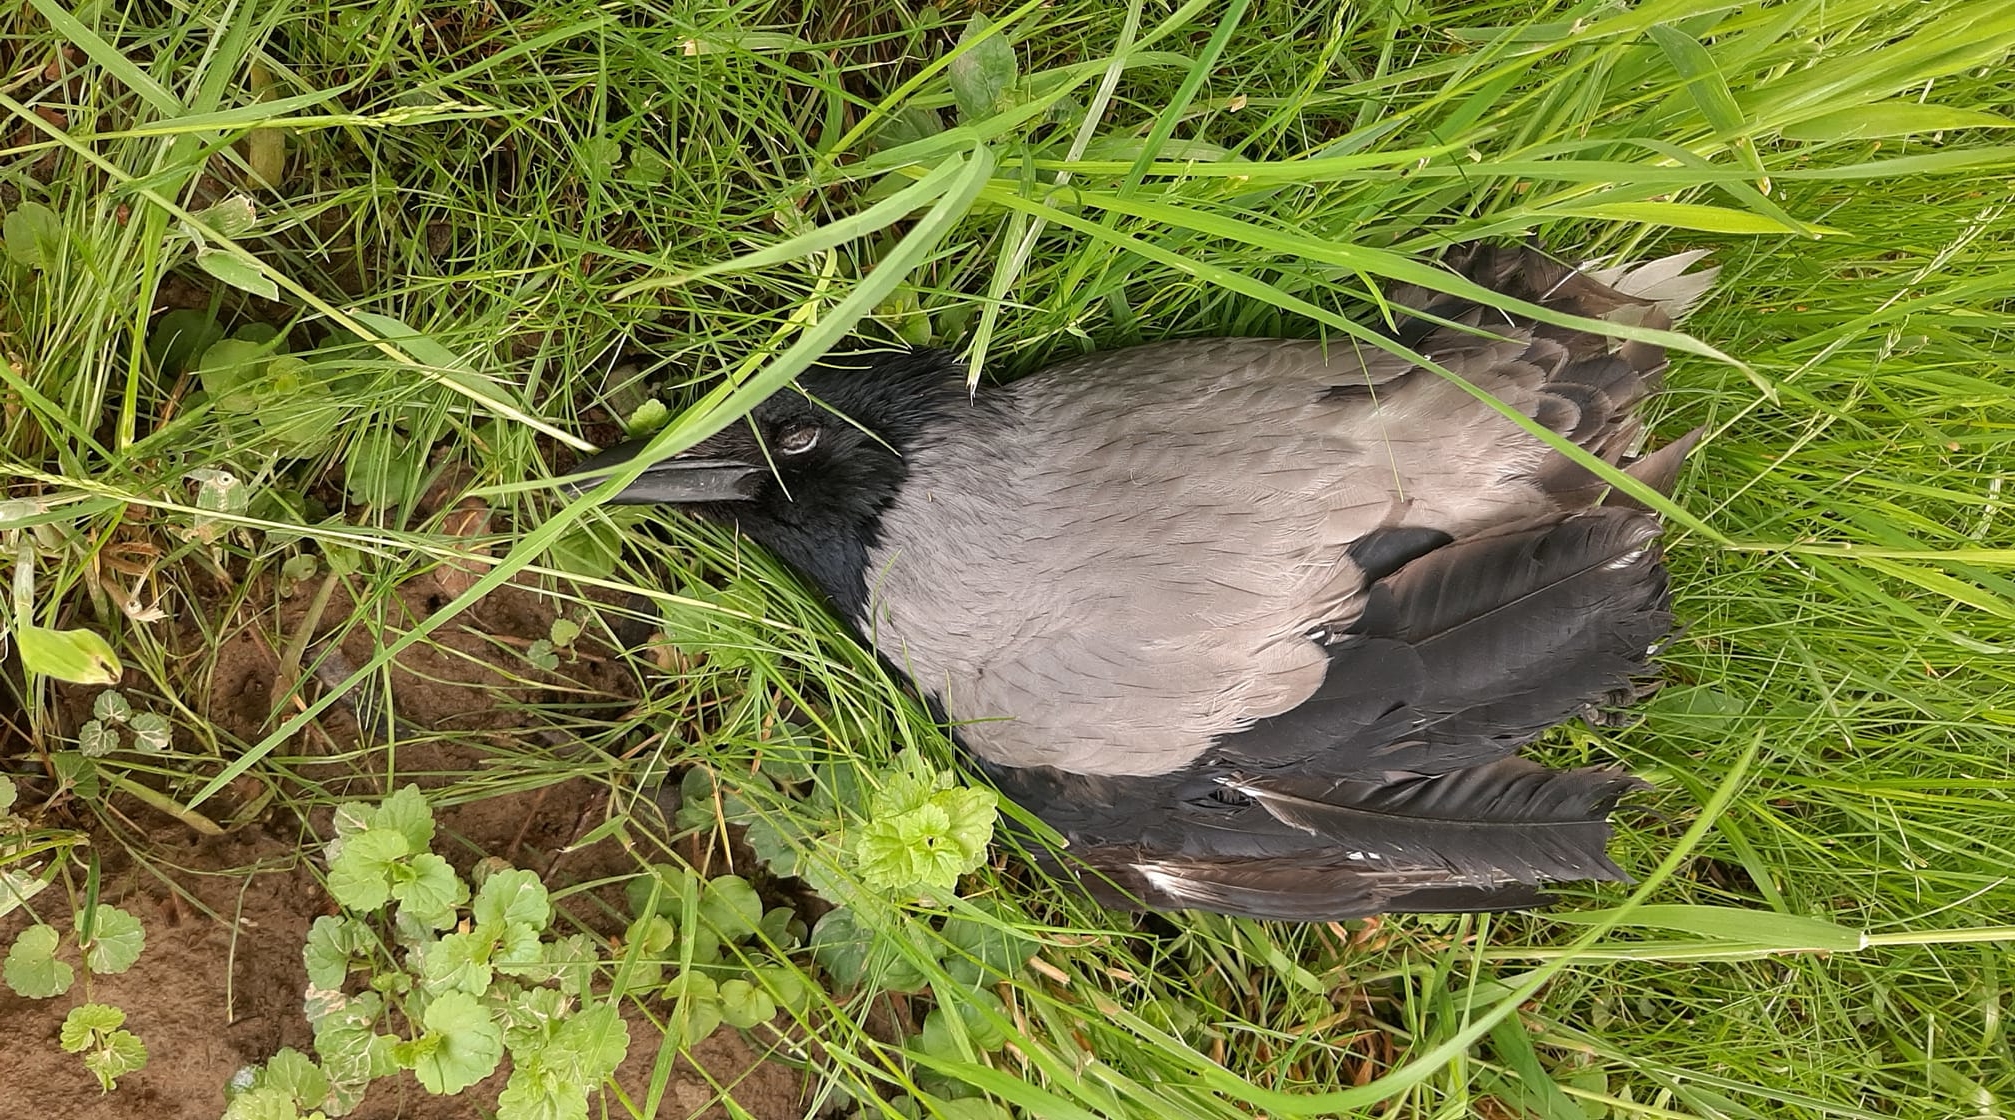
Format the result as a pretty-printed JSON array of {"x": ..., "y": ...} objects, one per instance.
[{"x": 1130, "y": 563}]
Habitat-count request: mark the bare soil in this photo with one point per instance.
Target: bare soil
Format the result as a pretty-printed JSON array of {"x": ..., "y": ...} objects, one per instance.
[{"x": 219, "y": 986}]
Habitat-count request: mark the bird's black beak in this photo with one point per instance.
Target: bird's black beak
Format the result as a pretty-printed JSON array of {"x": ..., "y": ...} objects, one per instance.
[{"x": 674, "y": 481}]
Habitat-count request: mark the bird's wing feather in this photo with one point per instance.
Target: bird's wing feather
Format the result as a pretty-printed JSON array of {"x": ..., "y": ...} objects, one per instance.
[{"x": 1183, "y": 517}]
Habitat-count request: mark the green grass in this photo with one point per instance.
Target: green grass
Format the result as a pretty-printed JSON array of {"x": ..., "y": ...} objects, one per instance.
[{"x": 1835, "y": 741}]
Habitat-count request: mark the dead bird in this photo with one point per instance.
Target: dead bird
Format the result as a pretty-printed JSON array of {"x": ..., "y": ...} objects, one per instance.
[{"x": 1259, "y": 626}]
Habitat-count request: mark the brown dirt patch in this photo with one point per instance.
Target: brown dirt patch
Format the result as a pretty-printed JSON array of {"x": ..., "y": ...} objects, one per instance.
[{"x": 220, "y": 983}]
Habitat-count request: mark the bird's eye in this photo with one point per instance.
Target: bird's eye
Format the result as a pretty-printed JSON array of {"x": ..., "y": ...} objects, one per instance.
[{"x": 798, "y": 440}]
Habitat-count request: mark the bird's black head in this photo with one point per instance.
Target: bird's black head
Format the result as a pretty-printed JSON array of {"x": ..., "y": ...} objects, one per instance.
[{"x": 810, "y": 470}]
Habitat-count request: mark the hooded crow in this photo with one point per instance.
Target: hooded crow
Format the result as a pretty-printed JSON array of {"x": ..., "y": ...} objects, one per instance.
[{"x": 1259, "y": 626}]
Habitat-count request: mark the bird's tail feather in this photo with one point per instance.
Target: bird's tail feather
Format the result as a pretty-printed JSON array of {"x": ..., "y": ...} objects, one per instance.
[{"x": 1483, "y": 838}]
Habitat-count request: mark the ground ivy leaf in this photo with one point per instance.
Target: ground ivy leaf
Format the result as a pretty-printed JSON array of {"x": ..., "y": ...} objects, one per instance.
[
  {"x": 95, "y": 739},
  {"x": 350, "y": 818},
  {"x": 84, "y": 1021},
  {"x": 408, "y": 812},
  {"x": 152, "y": 732},
  {"x": 360, "y": 878},
  {"x": 731, "y": 907},
  {"x": 17, "y": 887},
  {"x": 596, "y": 1041},
  {"x": 461, "y": 1045},
  {"x": 117, "y": 939},
  {"x": 92, "y": 1029},
  {"x": 111, "y": 706},
  {"x": 569, "y": 962},
  {"x": 119, "y": 1054},
  {"x": 297, "y": 1075},
  {"x": 743, "y": 1005},
  {"x": 518, "y": 948},
  {"x": 530, "y": 1018},
  {"x": 901, "y": 791},
  {"x": 908, "y": 849},
  {"x": 332, "y": 944},
  {"x": 429, "y": 890},
  {"x": 353, "y": 1057},
  {"x": 459, "y": 962},
  {"x": 32, "y": 969},
  {"x": 513, "y": 896},
  {"x": 262, "y": 1102}
]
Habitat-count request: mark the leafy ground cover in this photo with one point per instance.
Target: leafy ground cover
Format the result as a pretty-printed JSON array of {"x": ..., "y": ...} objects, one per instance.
[{"x": 304, "y": 303}]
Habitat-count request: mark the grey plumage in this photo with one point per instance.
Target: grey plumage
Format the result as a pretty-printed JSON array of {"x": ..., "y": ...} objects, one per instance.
[{"x": 1258, "y": 624}]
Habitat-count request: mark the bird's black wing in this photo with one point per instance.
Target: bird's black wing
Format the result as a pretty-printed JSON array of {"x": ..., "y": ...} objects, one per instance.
[{"x": 1395, "y": 786}]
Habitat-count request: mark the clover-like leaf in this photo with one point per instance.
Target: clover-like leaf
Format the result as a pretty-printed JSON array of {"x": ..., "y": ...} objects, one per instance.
[
  {"x": 510, "y": 897},
  {"x": 92, "y": 1029},
  {"x": 428, "y": 890},
  {"x": 151, "y": 732},
  {"x": 95, "y": 739},
  {"x": 296, "y": 1074},
  {"x": 32, "y": 969},
  {"x": 360, "y": 877},
  {"x": 984, "y": 951},
  {"x": 35, "y": 235},
  {"x": 408, "y": 812},
  {"x": 670, "y": 886},
  {"x": 842, "y": 945},
  {"x": 459, "y": 962},
  {"x": 743, "y": 1004},
  {"x": 698, "y": 1013},
  {"x": 332, "y": 945},
  {"x": 111, "y": 706},
  {"x": 460, "y": 1046},
  {"x": 731, "y": 907},
  {"x": 117, "y": 939}
]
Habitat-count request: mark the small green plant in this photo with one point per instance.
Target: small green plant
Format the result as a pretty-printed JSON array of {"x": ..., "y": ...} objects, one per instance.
[
  {"x": 93, "y": 1030},
  {"x": 99, "y": 735},
  {"x": 106, "y": 941},
  {"x": 469, "y": 976},
  {"x": 909, "y": 831},
  {"x": 724, "y": 947},
  {"x": 545, "y": 652}
]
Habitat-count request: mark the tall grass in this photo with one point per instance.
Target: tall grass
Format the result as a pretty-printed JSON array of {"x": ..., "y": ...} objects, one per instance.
[{"x": 485, "y": 210}]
